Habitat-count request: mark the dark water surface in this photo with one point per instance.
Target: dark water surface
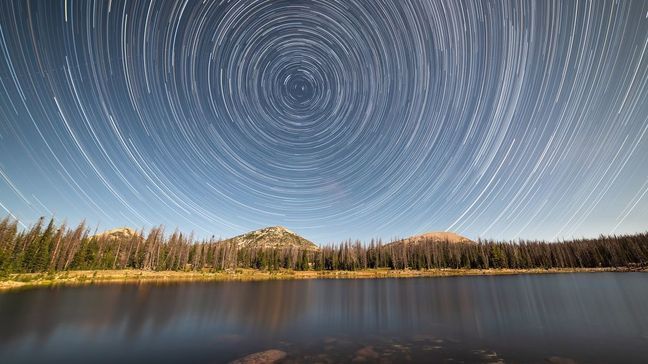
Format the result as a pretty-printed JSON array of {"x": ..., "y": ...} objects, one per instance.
[{"x": 584, "y": 317}]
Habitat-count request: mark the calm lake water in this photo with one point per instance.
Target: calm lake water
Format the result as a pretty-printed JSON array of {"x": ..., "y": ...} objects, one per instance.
[{"x": 585, "y": 318}]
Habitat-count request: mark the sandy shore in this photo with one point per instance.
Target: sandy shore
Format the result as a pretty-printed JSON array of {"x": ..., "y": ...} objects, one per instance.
[{"x": 25, "y": 280}]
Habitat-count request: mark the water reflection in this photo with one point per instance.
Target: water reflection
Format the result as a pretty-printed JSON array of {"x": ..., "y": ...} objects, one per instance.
[{"x": 598, "y": 317}]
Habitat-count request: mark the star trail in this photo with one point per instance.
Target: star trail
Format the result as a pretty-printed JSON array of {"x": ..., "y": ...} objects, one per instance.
[{"x": 338, "y": 119}]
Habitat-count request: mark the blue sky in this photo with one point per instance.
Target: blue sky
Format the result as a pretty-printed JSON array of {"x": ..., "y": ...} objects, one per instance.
[{"x": 337, "y": 119}]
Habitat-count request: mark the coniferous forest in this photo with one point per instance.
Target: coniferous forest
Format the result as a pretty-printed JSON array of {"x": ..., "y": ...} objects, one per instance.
[{"x": 48, "y": 247}]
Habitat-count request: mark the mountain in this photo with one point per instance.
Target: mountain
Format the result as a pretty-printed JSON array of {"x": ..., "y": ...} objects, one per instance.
[
  {"x": 271, "y": 237},
  {"x": 118, "y": 233},
  {"x": 435, "y": 236}
]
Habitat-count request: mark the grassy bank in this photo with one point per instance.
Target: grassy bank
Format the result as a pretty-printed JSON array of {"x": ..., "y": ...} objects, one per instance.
[{"x": 84, "y": 277}]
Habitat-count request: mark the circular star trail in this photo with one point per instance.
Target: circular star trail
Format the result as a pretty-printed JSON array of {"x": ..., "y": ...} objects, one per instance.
[{"x": 497, "y": 119}]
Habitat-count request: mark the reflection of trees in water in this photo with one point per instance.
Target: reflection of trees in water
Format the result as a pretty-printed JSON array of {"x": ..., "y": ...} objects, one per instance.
[
  {"x": 512, "y": 309},
  {"x": 135, "y": 308}
]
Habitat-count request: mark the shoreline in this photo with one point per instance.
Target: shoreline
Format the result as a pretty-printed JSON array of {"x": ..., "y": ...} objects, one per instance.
[{"x": 130, "y": 276}]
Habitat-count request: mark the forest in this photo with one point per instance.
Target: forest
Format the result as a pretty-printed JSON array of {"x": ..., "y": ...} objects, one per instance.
[{"x": 47, "y": 247}]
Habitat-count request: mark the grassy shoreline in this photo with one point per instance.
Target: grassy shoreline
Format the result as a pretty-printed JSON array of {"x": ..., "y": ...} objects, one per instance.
[{"x": 86, "y": 277}]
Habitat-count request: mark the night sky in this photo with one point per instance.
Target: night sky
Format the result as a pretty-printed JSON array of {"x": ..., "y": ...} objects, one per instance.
[{"x": 338, "y": 119}]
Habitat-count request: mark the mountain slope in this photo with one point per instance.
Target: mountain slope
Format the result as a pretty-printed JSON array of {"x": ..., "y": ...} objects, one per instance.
[
  {"x": 118, "y": 233},
  {"x": 271, "y": 237},
  {"x": 440, "y": 236}
]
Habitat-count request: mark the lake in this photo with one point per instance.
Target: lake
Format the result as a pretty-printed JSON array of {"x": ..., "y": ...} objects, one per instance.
[{"x": 553, "y": 318}]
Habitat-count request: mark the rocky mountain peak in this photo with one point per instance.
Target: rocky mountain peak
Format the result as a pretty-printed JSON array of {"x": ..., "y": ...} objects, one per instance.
[{"x": 272, "y": 237}]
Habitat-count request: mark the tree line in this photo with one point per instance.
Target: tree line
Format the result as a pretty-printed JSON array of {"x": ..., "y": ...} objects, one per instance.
[{"x": 47, "y": 247}]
